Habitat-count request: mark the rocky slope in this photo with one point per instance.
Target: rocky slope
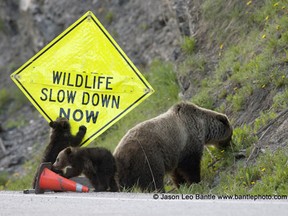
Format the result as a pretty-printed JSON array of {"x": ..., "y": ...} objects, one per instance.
[{"x": 145, "y": 30}]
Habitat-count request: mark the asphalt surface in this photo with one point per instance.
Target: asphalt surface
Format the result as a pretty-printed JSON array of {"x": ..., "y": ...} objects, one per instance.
[{"x": 92, "y": 203}]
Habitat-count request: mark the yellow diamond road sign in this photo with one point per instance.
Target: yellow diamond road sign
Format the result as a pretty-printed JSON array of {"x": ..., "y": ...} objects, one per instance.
[{"x": 85, "y": 76}]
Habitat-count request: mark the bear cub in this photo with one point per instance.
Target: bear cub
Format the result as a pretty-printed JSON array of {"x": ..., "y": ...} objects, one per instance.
[
  {"x": 97, "y": 164},
  {"x": 60, "y": 138}
]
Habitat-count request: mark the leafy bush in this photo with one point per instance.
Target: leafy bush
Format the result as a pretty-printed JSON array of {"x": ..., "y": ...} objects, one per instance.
[{"x": 188, "y": 45}]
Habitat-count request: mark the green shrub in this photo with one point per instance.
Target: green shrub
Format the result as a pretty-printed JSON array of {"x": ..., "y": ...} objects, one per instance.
[
  {"x": 4, "y": 176},
  {"x": 4, "y": 98},
  {"x": 243, "y": 137},
  {"x": 109, "y": 17},
  {"x": 204, "y": 99},
  {"x": 263, "y": 119},
  {"x": 280, "y": 100},
  {"x": 188, "y": 45}
]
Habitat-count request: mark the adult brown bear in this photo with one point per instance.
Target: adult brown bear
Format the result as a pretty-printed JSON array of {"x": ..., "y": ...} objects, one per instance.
[{"x": 172, "y": 143}]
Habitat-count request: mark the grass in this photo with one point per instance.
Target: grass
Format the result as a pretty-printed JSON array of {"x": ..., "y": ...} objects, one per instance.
[
  {"x": 204, "y": 99},
  {"x": 188, "y": 46},
  {"x": 4, "y": 98},
  {"x": 4, "y": 177},
  {"x": 24, "y": 180},
  {"x": 109, "y": 17},
  {"x": 280, "y": 100},
  {"x": 264, "y": 177},
  {"x": 7, "y": 95},
  {"x": 229, "y": 177},
  {"x": 21, "y": 182}
]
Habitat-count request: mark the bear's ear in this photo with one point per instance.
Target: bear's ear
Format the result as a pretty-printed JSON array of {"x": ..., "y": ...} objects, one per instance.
[
  {"x": 68, "y": 151},
  {"x": 179, "y": 107},
  {"x": 65, "y": 124},
  {"x": 185, "y": 107},
  {"x": 70, "y": 156},
  {"x": 52, "y": 124},
  {"x": 223, "y": 119}
]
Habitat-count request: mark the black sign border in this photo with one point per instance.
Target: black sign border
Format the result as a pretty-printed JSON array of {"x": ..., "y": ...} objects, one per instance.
[{"x": 118, "y": 50}]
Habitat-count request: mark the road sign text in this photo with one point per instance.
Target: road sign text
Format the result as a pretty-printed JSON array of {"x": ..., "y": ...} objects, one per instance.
[{"x": 89, "y": 82}]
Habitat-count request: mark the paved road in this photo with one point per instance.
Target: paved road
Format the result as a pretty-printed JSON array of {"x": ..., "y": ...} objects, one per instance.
[{"x": 68, "y": 204}]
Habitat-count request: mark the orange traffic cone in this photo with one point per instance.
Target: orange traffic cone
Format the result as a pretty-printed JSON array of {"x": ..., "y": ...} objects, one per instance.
[{"x": 48, "y": 180}]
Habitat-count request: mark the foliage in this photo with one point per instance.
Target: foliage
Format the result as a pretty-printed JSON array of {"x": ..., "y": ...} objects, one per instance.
[
  {"x": 4, "y": 176},
  {"x": 280, "y": 100},
  {"x": 11, "y": 94},
  {"x": 109, "y": 17},
  {"x": 188, "y": 45},
  {"x": 204, "y": 99},
  {"x": 24, "y": 181},
  {"x": 4, "y": 98}
]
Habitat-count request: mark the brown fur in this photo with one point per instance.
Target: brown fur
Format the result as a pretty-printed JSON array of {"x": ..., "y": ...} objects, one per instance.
[
  {"x": 60, "y": 138},
  {"x": 170, "y": 143},
  {"x": 97, "y": 164}
]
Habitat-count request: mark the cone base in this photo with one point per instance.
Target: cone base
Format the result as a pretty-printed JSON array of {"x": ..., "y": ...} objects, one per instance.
[{"x": 38, "y": 189}]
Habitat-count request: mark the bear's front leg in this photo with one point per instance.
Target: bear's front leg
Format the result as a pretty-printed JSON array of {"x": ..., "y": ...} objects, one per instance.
[
  {"x": 113, "y": 185},
  {"x": 98, "y": 182},
  {"x": 79, "y": 136},
  {"x": 190, "y": 168},
  {"x": 59, "y": 172},
  {"x": 177, "y": 178},
  {"x": 71, "y": 172}
]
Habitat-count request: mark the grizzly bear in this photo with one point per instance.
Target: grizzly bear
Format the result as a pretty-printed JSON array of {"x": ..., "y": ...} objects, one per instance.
[
  {"x": 171, "y": 143},
  {"x": 97, "y": 164},
  {"x": 60, "y": 138}
]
